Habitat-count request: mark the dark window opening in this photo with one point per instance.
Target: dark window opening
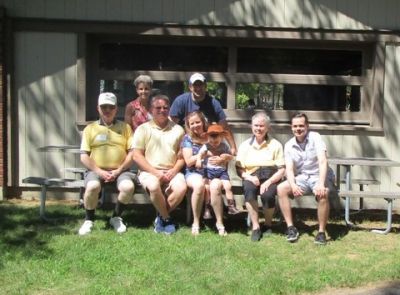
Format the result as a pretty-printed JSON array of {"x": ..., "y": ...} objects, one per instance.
[
  {"x": 150, "y": 57},
  {"x": 299, "y": 61}
]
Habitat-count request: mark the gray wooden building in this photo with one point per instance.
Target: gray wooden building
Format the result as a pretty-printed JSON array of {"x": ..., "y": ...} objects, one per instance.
[{"x": 338, "y": 60}]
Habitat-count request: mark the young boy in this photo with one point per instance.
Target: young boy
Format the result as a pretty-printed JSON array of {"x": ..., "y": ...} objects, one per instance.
[{"x": 216, "y": 147}]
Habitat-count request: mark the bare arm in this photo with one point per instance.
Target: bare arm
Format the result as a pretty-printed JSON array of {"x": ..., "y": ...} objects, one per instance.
[
  {"x": 188, "y": 156},
  {"x": 91, "y": 165},
  {"x": 126, "y": 164},
  {"x": 296, "y": 190},
  {"x": 320, "y": 189},
  {"x": 275, "y": 178}
]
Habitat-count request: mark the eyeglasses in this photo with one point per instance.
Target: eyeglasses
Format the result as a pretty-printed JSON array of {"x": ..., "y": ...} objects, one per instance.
[{"x": 162, "y": 108}]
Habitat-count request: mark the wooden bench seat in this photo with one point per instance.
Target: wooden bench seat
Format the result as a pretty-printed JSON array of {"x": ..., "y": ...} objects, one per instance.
[{"x": 388, "y": 196}]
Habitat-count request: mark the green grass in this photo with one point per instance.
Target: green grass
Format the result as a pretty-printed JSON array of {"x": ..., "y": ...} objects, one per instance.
[{"x": 43, "y": 258}]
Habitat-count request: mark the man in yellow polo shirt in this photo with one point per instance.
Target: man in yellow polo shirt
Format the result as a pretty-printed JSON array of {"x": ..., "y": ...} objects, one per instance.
[
  {"x": 106, "y": 153},
  {"x": 156, "y": 152}
]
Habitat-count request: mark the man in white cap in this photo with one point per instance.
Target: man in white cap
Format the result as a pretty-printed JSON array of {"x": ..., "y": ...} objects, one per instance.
[
  {"x": 107, "y": 154},
  {"x": 199, "y": 99}
]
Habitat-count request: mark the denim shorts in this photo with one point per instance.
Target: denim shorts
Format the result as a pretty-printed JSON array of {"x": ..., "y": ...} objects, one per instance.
[{"x": 219, "y": 173}]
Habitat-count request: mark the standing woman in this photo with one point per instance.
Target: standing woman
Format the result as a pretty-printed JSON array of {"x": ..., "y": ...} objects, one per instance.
[
  {"x": 260, "y": 163},
  {"x": 195, "y": 124},
  {"x": 137, "y": 111}
]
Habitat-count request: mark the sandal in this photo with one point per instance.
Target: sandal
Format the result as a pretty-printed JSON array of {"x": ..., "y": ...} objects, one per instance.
[
  {"x": 195, "y": 230},
  {"x": 221, "y": 230}
]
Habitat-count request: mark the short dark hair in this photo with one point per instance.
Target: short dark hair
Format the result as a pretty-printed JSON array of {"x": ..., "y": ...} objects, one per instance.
[
  {"x": 299, "y": 115},
  {"x": 159, "y": 97}
]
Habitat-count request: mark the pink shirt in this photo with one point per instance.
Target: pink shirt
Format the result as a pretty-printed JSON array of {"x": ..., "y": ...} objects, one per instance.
[{"x": 139, "y": 114}]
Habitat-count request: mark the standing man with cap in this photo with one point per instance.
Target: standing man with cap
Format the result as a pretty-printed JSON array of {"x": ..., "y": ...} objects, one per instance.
[
  {"x": 199, "y": 100},
  {"x": 106, "y": 153}
]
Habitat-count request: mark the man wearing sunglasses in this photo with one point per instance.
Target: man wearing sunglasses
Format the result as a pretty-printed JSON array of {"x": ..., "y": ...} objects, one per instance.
[
  {"x": 156, "y": 145},
  {"x": 107, "y": 154}
]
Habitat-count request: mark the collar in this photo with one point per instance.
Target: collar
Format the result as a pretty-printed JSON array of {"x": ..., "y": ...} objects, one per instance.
[
  {"x": 169, "y": 125},
  {"x": 102, "y": 123},
  {"x": 254, "y": 143}
]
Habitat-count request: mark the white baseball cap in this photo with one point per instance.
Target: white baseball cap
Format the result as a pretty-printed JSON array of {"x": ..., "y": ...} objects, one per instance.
[
  {"x": 196, "y": 77},
  {"x": 107, "y": 98}
]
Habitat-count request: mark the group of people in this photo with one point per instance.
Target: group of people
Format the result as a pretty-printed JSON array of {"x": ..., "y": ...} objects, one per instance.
[{"x": 188, "y": 145}]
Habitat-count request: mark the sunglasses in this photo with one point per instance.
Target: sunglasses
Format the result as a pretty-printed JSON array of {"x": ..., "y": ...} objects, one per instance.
[{"x": 161, "y": 108}]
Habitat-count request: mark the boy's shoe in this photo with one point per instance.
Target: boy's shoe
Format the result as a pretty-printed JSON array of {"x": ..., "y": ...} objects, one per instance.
[
  {"x": 292, "y": 234},
  {"x": 320, "y": 239},
  {"x": 118, "y": 224},
  {"x": 169, "y": 226},
  {"x": 256, "y": 235},
  {"x": 158, "y": 225},
  {"x": 86, "y": 228},
  {"x": 232, "y": 210}
]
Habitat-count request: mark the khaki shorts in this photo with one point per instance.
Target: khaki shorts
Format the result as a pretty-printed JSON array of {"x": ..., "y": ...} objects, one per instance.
[{"x": 146, "y": 179}]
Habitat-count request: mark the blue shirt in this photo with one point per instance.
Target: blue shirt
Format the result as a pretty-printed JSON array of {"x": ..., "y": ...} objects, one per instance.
[
  {"x": 210, "y": 106},
  {"x": 187, "y": 142}
]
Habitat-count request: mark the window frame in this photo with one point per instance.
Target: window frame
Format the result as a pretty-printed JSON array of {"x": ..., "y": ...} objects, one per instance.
[{"x": 369, "y": 118}]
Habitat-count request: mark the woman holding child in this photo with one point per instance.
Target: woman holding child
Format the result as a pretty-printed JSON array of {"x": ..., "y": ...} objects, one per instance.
[
  {"x": 260, "y": 163},
  {"x": 196, "y": 137}
]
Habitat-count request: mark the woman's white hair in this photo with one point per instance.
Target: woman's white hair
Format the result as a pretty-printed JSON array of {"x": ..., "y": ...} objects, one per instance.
[{"x": 261, "y": 115}]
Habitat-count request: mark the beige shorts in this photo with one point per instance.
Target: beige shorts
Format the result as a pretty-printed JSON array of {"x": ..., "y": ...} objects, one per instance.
[{"x": 146, "y": 179}]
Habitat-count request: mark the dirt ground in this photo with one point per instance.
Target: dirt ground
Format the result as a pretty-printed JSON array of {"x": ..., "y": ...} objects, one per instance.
[{"x": 383, "y": 288}]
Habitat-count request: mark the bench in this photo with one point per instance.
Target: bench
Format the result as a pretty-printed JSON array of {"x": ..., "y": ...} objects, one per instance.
[
  {"x": 139, "y": 197},
  {"x": 362, "y": 183},
  {"x": 388, "y": 196},
  {"x": 44, "y": 183}
]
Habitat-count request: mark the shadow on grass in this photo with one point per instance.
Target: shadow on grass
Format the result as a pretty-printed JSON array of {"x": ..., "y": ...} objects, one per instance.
[{"x": 24, "y": 233}]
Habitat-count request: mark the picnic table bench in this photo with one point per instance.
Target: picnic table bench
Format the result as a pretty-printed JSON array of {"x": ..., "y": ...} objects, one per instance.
[{"x": 388, "y": 196}]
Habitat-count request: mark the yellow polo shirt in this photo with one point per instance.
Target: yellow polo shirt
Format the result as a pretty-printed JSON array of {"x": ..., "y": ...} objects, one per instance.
[
  {"x": 160, "y": 145},
  {"x": 107, "y": 146},
  {"x": 251, "y": 155}
]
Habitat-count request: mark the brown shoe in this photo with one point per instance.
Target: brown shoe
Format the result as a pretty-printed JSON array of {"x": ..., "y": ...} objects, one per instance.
[{"x": 232, "y": 210}]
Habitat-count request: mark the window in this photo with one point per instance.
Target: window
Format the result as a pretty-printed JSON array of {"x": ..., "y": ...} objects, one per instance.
[{"x": 332, "y": 80}]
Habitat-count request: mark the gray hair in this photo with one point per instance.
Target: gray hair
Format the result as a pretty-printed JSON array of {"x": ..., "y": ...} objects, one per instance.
[
  {"x": 145, "y": 79},
  {"x": 261, "y": 115},
  {"x": 159, "y": 97}
]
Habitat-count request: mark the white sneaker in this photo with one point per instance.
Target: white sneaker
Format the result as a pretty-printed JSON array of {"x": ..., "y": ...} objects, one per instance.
[
  {"x": 118, "y": 224},
  {"x": 86, "y": 228}
]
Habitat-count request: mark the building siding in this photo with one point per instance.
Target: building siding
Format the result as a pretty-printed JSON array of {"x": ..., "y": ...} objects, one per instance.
[{"x": 327, "y": 14}]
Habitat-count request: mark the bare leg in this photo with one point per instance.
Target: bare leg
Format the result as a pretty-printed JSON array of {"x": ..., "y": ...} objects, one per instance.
[
  {"x": 91, "y": 196},
  {"x": 216, "y": 199},
  {"x": 323, "y": 213},
  {"x": 178, "y": 190},
  {"x": 126, "y": 189},
  {"x": 284, "y": 192},
  {"x": 196, "y": 183}
]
